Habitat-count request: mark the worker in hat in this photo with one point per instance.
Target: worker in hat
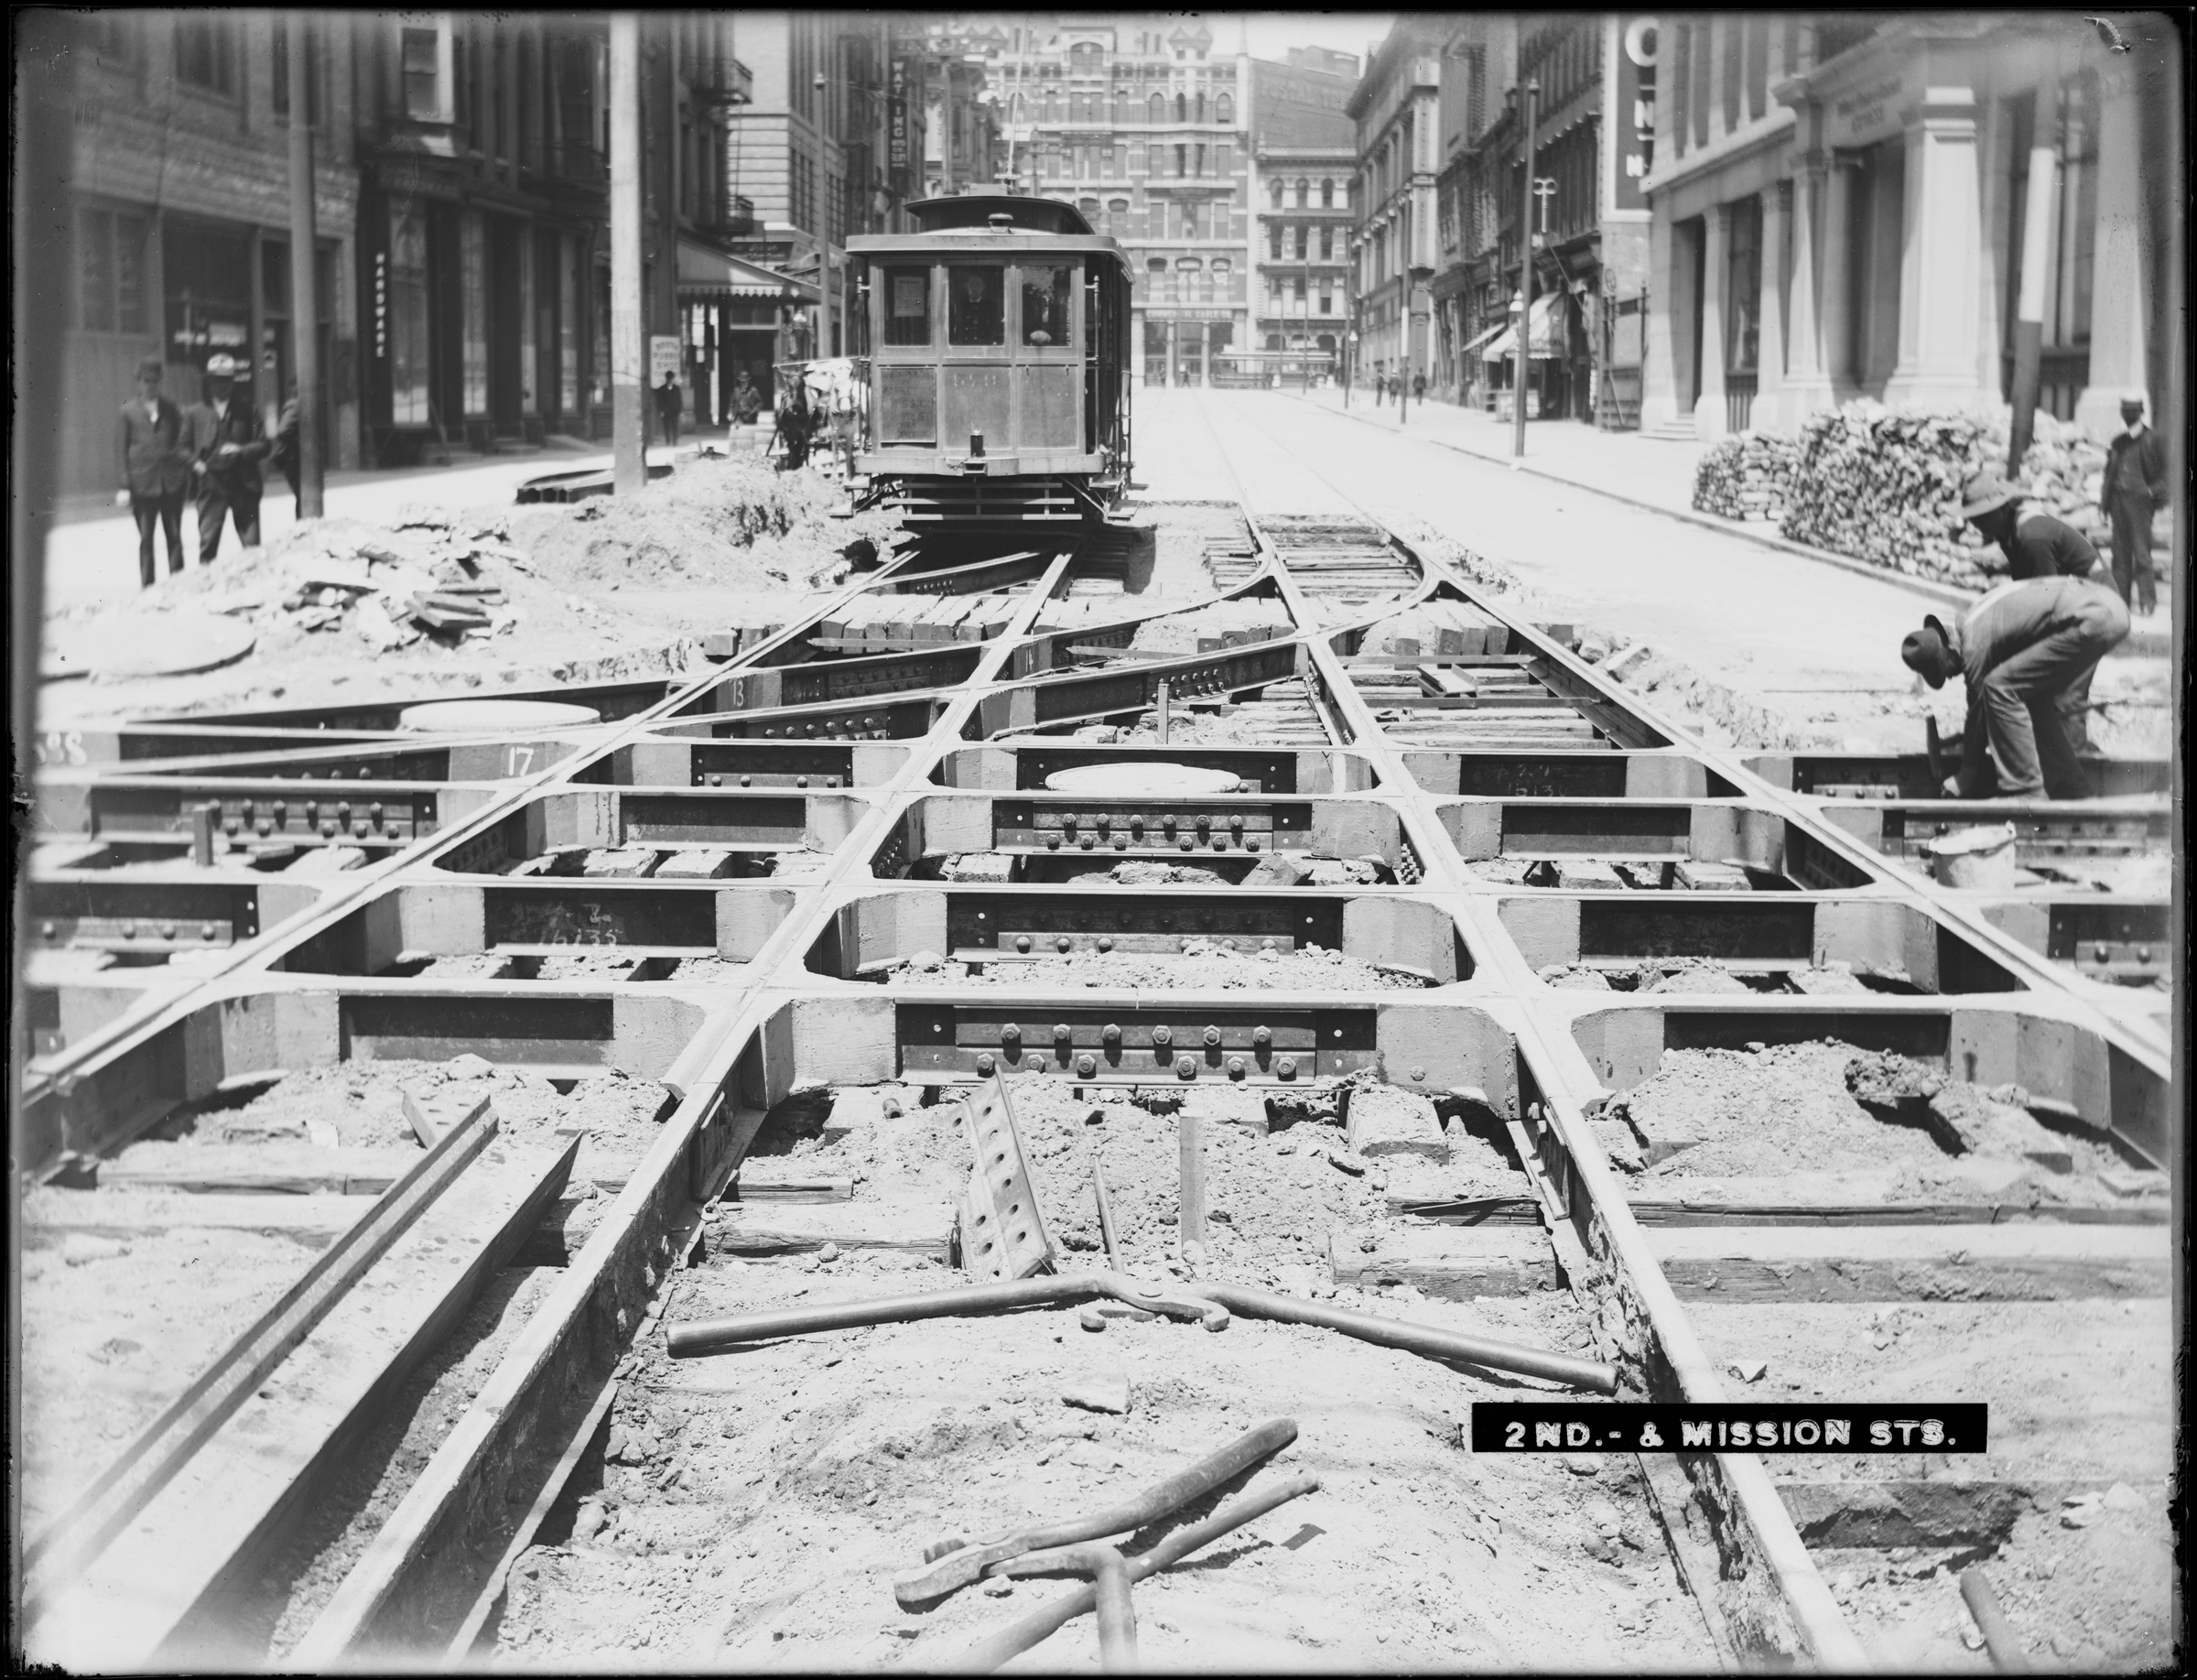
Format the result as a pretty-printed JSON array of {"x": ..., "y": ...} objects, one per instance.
[
  {"x": 2024, "y": 651},
  {"x": 226, "y": 443},
  {"x": 2036, "y": 546},
  {"x": 2135, "y": 484}
]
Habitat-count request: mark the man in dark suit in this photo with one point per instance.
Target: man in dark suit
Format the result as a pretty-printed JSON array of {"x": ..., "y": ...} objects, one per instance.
[
  {"x": 2136, "y": 483},
  {"x": 226, "y": 443},
  {"x": 155, "y": 468}
]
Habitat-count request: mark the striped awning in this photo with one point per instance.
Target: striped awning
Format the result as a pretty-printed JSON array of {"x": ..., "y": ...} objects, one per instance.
[
  {"x": 1544, "y": 338},
  {"x": 1476, "y": 342},
  {"x": 707, "y": 272}
]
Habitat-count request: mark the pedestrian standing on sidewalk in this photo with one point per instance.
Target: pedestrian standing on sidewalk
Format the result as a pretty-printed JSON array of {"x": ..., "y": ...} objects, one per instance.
[
  {"x": 2023, "y": 649},
  {"x": 1419, "y": 388},
  {"x": 667, "y": 408},
  {"x": 2135, "y": 484},
  {"x": 155, "y": 468},
  {"x": 746, "y": 402},
  {"x": 225, "y": 444}
]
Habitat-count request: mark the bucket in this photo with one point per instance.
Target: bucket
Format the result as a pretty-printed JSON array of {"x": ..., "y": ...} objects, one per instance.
[{"x": 1980, "y": 859}]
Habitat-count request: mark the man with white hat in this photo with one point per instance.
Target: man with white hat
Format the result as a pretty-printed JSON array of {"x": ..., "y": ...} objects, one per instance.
[
  {"x": 2135, "y": 483},
  {"x": 225, "y": 441},
  {"x": 2024, "y": 650}
]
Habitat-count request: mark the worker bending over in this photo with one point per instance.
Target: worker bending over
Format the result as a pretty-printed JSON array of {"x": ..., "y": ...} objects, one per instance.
[
  {"x": 2036, "y": 545},
  {"x": 2027, "y": 650}
]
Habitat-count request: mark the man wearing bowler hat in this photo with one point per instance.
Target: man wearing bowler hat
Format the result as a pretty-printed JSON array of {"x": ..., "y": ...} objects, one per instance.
[
  {"x": 2135, "y": 484},
  {"x": 2024, "y": 650},
  {"x": 226, "y": 443},
  {"x": 155, "y": 468}
]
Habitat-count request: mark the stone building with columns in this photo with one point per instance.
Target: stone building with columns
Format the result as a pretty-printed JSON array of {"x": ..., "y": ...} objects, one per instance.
[
  {"x": 1397, "y": 109},
  {"x": 1836, "y": 209}
]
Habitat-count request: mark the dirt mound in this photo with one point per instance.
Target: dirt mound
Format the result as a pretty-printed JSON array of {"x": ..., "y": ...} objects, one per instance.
[
  {"x": 1201, "y": 965},
  {"x": 724, "y": 522}
]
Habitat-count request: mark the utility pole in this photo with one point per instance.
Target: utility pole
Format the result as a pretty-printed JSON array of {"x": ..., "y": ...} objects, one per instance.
[
  {"x": 1523, "y": 350},
  {"x": 305, "y": 252},
  {"x": 629, "y": 365},
  {"x": 2036, "y": 231}
]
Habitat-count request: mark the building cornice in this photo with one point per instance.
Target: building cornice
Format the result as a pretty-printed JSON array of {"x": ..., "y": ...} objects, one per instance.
[{"x": 1776, "y": 129}]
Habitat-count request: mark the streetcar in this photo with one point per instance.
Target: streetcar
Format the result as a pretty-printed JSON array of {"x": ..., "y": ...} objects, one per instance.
[{"x": 996, "y": 336}]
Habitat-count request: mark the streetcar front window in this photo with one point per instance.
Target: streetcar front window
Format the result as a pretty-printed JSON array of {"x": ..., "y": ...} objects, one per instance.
[
  {"x": 1046, "y": 295},
  {"x": 907, "y": 307},
  {"x": 975, "y": 307}
]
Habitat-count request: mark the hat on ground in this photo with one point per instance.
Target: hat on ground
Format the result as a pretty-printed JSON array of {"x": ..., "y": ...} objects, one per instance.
[
  {"x": 1984, "y": 493},
  {"x": 223, "y": 366},
  {"x": 1924, "y": 650},
  {"x": 152, "y": 367}
]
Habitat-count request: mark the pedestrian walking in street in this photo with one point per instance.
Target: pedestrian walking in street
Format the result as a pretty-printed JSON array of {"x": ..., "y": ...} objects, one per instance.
[
  {"x": 155, "y": 468},
  {"x": 2136, "y": 483},
  {"x": 225, "y": 444},
  {"x": 791, "y": 428},
  {"x": 2023, "y": 650},
  {"x": 667, "y": 408},
  {"x": 1419, "y": 387}
]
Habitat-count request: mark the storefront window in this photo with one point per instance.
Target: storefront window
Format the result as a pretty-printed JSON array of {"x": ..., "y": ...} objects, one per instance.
[
  {"x": 409, "y": 313},
  {"x": 208, "y": 277}
]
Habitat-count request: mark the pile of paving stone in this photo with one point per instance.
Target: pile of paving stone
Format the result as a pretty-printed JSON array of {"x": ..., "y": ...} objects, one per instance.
[{"x": 1747, "y": 477}]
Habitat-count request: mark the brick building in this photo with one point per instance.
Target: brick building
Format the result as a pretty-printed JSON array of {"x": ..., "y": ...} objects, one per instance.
[
  {"x": 1396, "y": 109},
  {"x": 180, "y": 218},
  {"x": 1304, "y": 160}
]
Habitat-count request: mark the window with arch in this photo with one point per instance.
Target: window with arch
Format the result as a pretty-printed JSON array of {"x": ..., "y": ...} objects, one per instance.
[
  {"x": 1327, "y": 195},
  {"x": 1188, "y": 264},
  {"x": 1117, "y": 215},
  {"x": 1304, "y": 193},
  {"x": 1273, "y": 192},
  {"x": 1327, "y": 244},
  {"x": 1182, "y": 108},
  {"x": 1223, "y": 108},
  {"x": 1198, "y": 109}
]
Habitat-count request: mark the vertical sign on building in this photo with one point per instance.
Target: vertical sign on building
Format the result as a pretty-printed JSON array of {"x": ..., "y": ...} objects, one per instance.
[
  {"x": 1635, "y": 110},
  {"x": 896, "y": 121}
]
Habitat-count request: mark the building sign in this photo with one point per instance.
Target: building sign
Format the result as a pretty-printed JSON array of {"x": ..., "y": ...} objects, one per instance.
[
  {"x": 896, "y": 117},
  {"x": 1635, "y": 110},
  {"x": 663, "y": 357},
  {"x": 381, "y": 306},
  {"x": 1869, "y": 113}
]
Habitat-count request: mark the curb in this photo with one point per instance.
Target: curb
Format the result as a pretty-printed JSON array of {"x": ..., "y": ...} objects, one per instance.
[{"x": 1943, "y": 594}]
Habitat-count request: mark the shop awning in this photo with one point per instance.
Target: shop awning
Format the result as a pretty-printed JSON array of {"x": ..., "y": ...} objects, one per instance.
[
  {"x": 1545, "y": 338},
  {"x": 1476, "y": 342},
  {"x": 704, "y": 272}
]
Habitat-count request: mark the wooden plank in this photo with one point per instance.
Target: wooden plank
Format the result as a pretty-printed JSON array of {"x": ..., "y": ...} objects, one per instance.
[
  {"x": 1907, "y": 1262},
  {"x": 1450, "y": 1263},
  {"x": 927, "y": 1229},
  {"x": 164, "y": 1592},
  {"x": 778, "y": 1181},
  {"x": 294, "y": 1169}
]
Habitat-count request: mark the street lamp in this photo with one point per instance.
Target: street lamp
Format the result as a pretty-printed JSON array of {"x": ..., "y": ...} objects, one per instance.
[{"x": 1525, "y": 281}]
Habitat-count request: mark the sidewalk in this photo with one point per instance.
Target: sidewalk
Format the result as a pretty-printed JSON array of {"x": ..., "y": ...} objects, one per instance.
[{"x": 1655, "y": 474}]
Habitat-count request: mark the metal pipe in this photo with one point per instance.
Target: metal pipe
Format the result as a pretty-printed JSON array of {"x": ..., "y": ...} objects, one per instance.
[
  {"x": 1046, "y": 1620},
  {"x": 1421, "y": 1338},
  {"x": 956, "y": 1569},
  {"x": 1190, "y": 1208},
  {"x": 717, "y": 1335},
  {"x": 1999, "y": 1638},
  {"x": 1106, "y": 1214}
]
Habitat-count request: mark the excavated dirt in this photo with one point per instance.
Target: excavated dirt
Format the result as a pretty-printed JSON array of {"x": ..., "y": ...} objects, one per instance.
[
  {"x": 1699, "y": 974},
  {"x": 2080, "y": 1548},
  {"x": 749, "y": 1511},
  {"x": 1201, "y": 966},
  {"x": 602, "y": 590},
  {"x": 1788, "y": 1108}
]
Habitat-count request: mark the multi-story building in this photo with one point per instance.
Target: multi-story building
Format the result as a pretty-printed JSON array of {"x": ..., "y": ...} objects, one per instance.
[
  {"x": 1303, "y": 161},
  {"x": 1838, "y": 207},
  {"x": 946, "y": 65},
  {"x": 483, "y": 143},
  {"x": 180, "y": 218},
  {"x": 1143, "y": 126},
  {"x": 1396, "y": 108},
  {"x": 1480, "y": 57}
]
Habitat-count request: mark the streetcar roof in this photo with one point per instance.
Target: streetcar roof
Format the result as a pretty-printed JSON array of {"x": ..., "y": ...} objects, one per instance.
[{"x": 973, "y": 212}]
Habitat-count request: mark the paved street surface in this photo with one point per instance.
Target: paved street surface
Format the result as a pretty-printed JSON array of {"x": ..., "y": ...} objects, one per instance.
[{"x": 1745, "y": 615}]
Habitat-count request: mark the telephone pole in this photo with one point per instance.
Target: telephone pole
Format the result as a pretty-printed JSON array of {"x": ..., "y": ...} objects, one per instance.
[
  {"x": 1524, "y": 349},
  {"x": 629, "y": 367},
  {"x": 305, "y": 270}
]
